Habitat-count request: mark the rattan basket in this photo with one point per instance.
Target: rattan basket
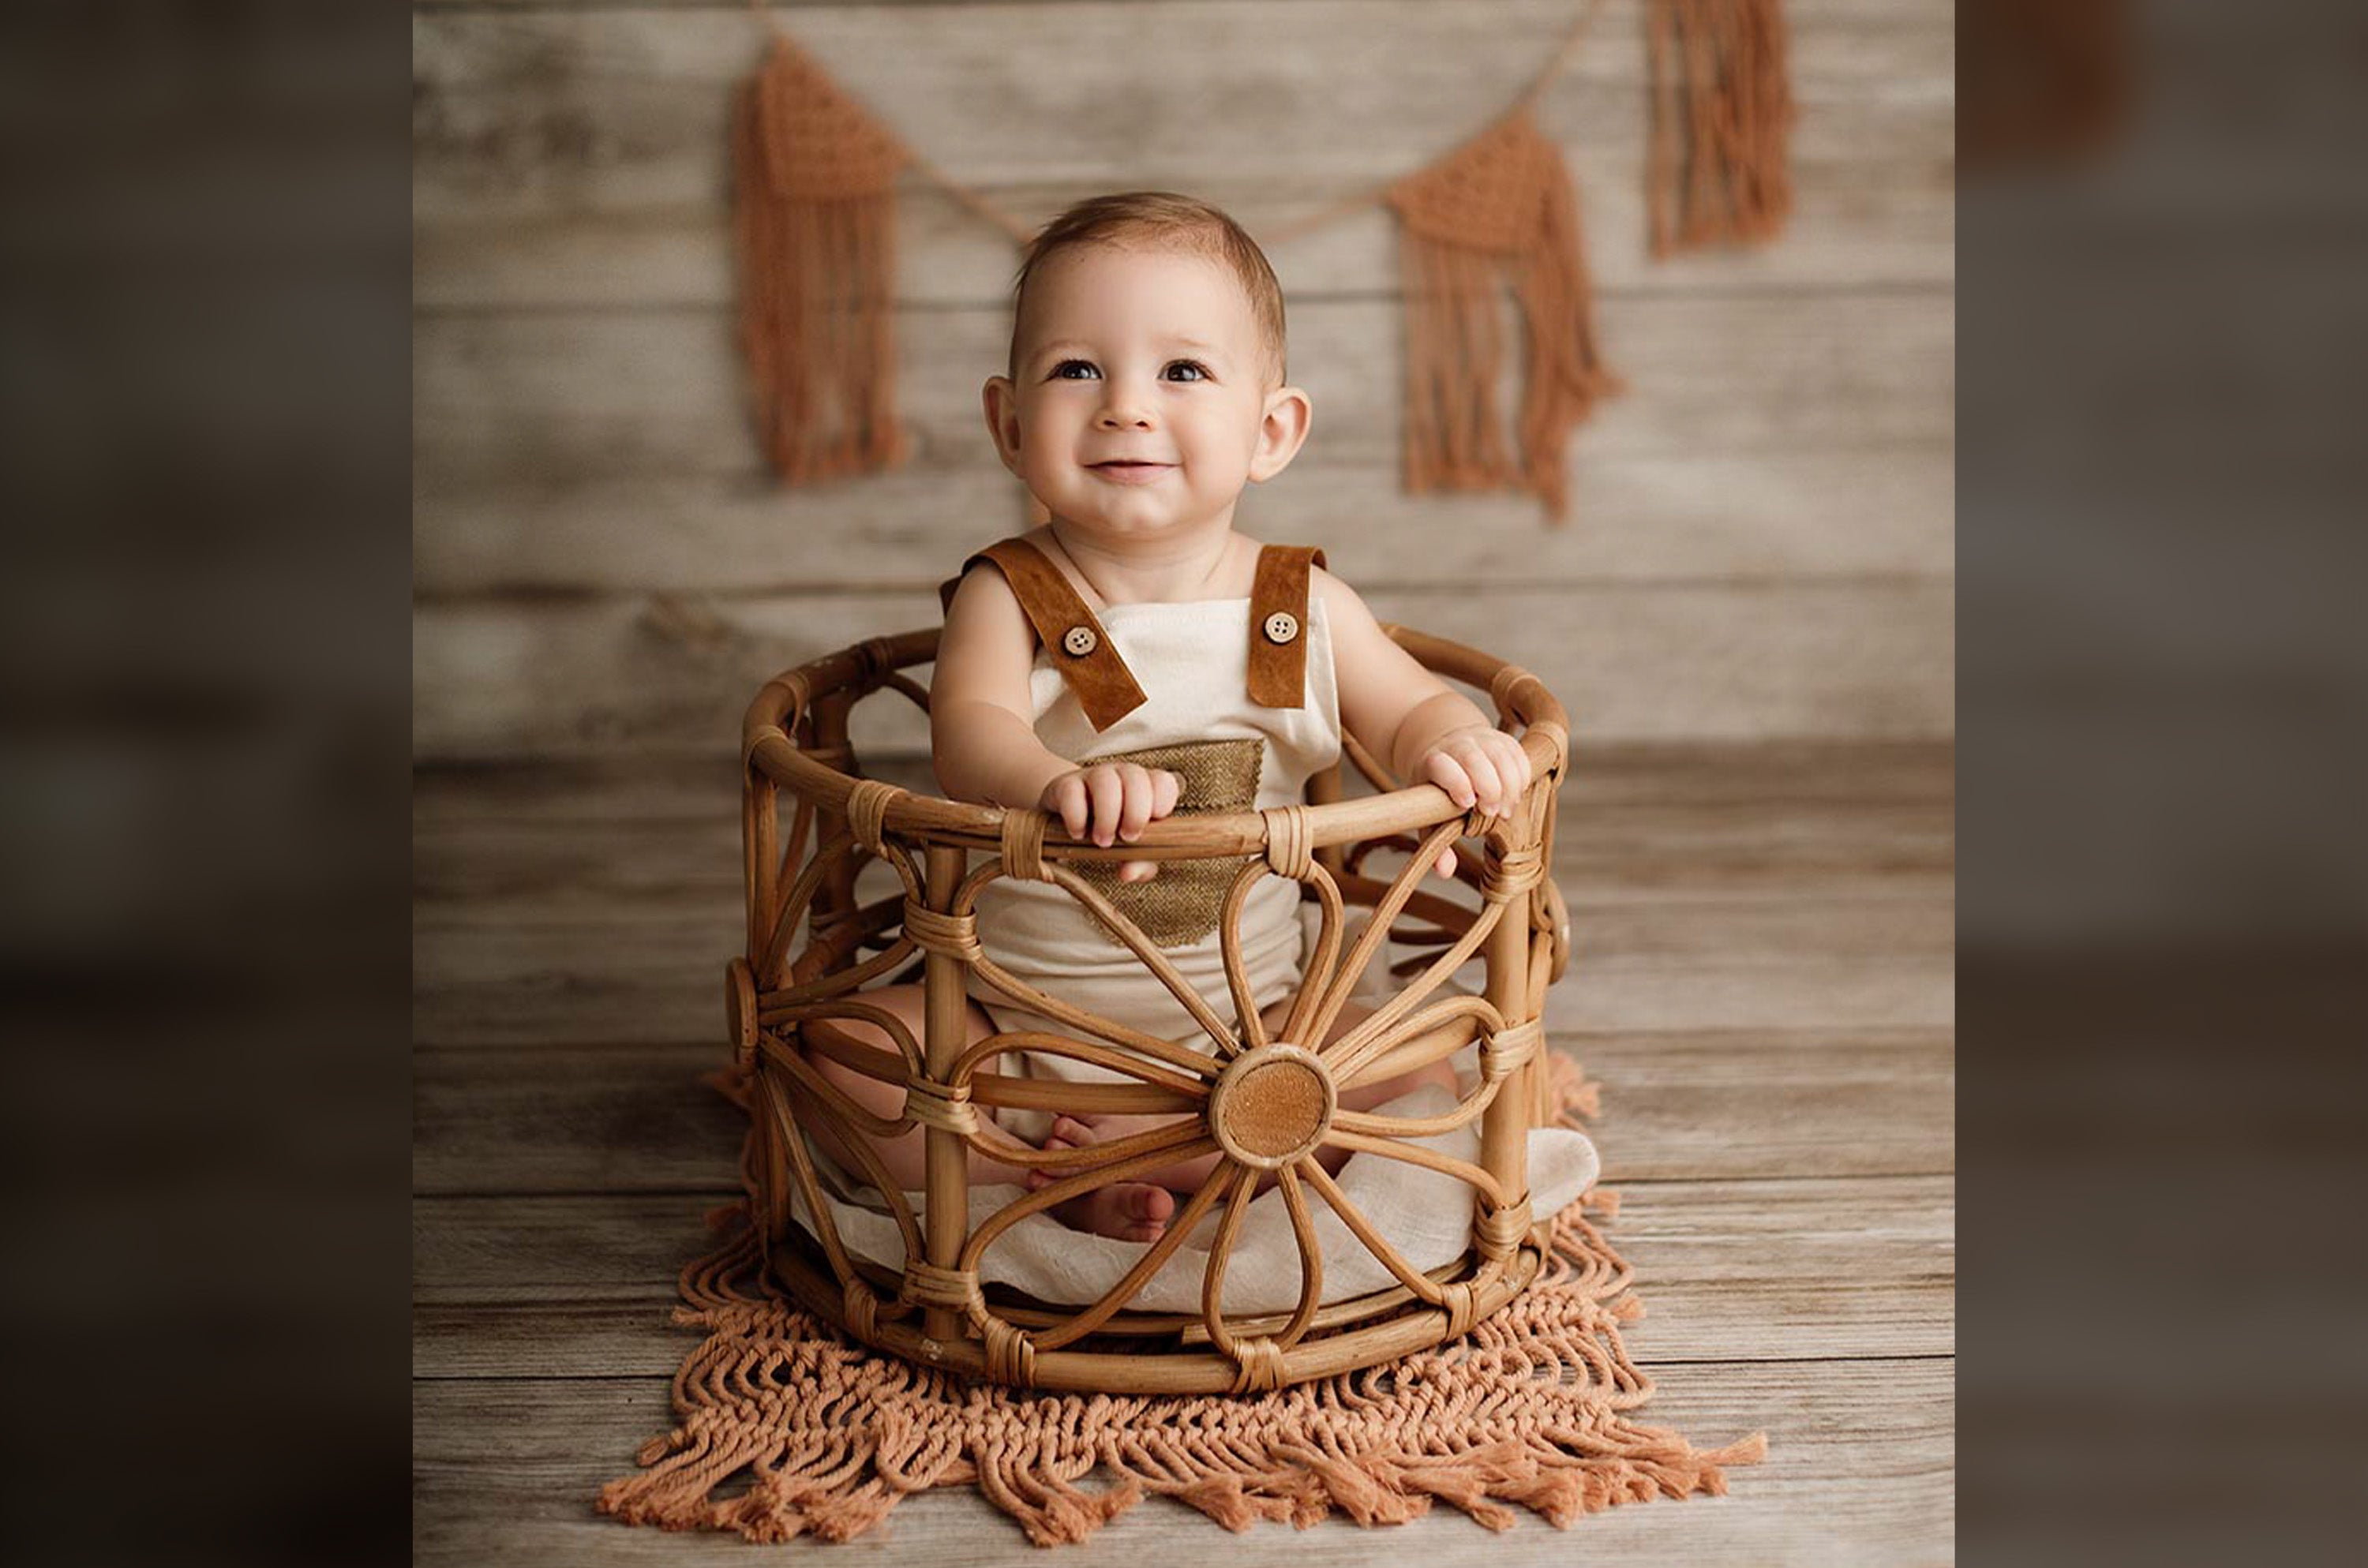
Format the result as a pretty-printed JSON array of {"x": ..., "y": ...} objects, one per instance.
[{"x": 1264, "y": 1105}]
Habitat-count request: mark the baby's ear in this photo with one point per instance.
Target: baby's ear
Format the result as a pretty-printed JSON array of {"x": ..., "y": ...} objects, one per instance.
[
  {"x": 1001, "y": 402},
  {"x": 1281, "y": 433}
]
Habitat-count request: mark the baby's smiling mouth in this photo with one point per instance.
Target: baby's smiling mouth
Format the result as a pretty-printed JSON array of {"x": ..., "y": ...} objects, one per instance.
[{"x": 1125, "y": 469}]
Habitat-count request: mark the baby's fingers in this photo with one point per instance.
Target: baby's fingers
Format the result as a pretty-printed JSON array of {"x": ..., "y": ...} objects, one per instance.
[
  {"x": 1446, "y": 773},
  {"x": 1167, "y": 788},
  {"x": 1513, "y": 768},
  {"x": 1137, "y": 870},
  {"x": 1066, "y": 798},
  {"x": 1134, "y": 800},
  {"x": 1445, "y": 864},
  {"x": 1487, "y": 790},
  {"x": 1109, "y": 792}
]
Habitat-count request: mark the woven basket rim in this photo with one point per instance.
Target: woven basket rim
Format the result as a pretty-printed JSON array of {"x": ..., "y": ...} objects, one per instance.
[{"x": 766, "y": 746}]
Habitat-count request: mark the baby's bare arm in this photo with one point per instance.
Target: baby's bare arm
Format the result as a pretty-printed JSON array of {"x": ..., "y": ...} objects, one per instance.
[
  {"x": 982, "y": 739},
  {"x": 984, "y": 743},
  {"x": 1419, "y": 727}
]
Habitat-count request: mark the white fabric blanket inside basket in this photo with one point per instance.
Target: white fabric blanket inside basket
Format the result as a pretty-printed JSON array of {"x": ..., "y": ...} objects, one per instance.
[{"x": 1426, "y": 1214}]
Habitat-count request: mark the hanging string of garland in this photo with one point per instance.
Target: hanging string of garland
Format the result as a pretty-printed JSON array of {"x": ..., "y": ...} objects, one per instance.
[{"x": 814, "y": 175}]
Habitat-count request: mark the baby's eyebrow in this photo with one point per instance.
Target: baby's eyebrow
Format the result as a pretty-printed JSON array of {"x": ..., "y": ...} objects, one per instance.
[{"x": 1066, "y": 347}]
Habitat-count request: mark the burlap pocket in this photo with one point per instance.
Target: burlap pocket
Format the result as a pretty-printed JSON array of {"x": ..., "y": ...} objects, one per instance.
[{"x": 1182, "y": 905}]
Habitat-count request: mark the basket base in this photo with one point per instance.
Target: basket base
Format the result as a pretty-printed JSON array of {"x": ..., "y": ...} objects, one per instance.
[{"x": 1414, "y": 1327}]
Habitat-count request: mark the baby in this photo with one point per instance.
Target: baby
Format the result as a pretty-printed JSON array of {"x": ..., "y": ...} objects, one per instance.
[{"x": 1137, "y": 656}]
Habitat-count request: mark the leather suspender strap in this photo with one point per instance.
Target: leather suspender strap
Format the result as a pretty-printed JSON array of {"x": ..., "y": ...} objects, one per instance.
[
  {"x": 1279, "y": 625},
  {"x": 1080, "y": 649}
]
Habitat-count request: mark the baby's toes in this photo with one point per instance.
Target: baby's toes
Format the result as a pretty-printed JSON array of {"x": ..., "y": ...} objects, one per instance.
[
  {"x": 1046, "y": 1176},
  {"x": 1070, "y": 1133},
  {"x": 1148, "y": 1210}
]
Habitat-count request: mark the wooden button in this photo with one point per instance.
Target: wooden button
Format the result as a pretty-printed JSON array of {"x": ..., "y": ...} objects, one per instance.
[
  {"x": 1080, "y": 640},
  {"x": 1282, "y": 626}
]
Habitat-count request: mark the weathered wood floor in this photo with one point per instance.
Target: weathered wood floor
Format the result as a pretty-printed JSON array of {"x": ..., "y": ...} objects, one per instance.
[{"x": 1763, "y": 984}]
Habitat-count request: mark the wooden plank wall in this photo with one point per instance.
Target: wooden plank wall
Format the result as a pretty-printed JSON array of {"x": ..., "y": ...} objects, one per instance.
[{"x": 1761, "y": 546}]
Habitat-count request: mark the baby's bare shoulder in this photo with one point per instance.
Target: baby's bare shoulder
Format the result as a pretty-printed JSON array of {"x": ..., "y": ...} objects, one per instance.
[
  {"x": 983, "y": 591},
  {"x": 987, "y": 641},
  {"x": 1342, "y": 604}
]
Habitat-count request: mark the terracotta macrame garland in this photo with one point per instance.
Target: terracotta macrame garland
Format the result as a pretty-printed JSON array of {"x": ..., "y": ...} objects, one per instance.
[
  {"x": 787, "y": 1429},
  {"x": 1717, "y": 168},
  {"x": 1501, "y": 210},
  {"x": 816, "y": 177}
]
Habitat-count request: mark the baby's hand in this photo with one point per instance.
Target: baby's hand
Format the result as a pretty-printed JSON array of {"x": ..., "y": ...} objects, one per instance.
[
  {"x": 1477, "y": 765},
  {"x": 1114, "y": 800}
]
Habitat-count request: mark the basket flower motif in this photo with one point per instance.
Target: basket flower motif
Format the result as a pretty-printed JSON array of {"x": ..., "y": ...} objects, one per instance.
[{"x": 1267, "y": 1109}]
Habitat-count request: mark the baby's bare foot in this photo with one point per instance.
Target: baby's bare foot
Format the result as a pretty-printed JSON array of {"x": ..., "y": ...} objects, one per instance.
[{"x": 1126, "y": 1211}]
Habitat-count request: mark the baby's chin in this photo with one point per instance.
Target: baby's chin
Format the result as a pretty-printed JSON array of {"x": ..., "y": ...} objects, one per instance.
[{"x": 1132, "y": 514}]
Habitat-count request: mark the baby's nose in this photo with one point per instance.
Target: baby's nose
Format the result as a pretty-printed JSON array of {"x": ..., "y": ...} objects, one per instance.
[{"x": 1120, "y": 411}]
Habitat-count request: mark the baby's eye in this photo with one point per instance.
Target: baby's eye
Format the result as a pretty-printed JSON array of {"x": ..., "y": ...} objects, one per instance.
[
  {"x": 1188, "y": 371},
  {"x": 1076, "y": 370}
]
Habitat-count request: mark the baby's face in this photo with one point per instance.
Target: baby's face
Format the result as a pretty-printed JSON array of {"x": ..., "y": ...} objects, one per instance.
[{"x": 1139, "y": 391}]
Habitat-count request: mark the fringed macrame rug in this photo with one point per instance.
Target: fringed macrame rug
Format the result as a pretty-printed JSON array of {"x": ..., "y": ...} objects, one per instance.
[{"x": 786, "y": 1429}]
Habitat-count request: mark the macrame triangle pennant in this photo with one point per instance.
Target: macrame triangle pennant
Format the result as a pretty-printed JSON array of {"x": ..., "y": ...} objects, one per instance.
[
  {"x": 1716, "y": 166},
  {"x": 815, "y": 175},
  {"x": 1499, "y": 211}
]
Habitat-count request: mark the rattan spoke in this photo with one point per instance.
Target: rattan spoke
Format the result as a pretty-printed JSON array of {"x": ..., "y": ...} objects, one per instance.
[
  {"x": 1178, "y": 1227},
  {"x": 1318, "y": 972},
  {"x": 1060, "y": 1191},
  {"x": 1019, "y": 993},
  {"x": 1143, "y": 947},
  {"x": 1421, "y": 1285},
  {"x": 791, "y": 1143},
  {"x": 1376, "y": 933},
  {"x": 881, "y": 1019},
  {"x": 1311, "y": 1259},
  {"x": 1015, "y": 990},
  {"x": 1242, "y": 1182},
  {"x": 1090, "y": 1157},
  {"x": 809, "y": 1079},
  {"x": 1372, "y": 1126},
  {"x": 1389, "y": 1023},
  {"x": 1237, "y": 980},
  {"x": 909, "y": 687},
  {"x": 1415, "y": 1154},
  {"x": 837, "y": 983},
  {"x": 1380, "y": 778},
  {"x": 1040, "y": 1043},
  {"x": 827, "y": 855}
]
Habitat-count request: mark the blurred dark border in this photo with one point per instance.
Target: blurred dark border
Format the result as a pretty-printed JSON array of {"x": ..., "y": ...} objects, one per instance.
[
  {"x": 204, "y": 823},
  {"x": 2164, "y": 721}
]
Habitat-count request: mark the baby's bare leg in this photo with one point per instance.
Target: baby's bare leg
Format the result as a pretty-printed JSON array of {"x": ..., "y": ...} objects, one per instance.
[
  {"x": 903, "y": 1155},
  {"x": 1130, "y": 1210}
]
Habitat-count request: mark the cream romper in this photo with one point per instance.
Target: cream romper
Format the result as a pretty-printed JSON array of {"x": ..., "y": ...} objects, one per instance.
[{"x": 1236, "y": 695}]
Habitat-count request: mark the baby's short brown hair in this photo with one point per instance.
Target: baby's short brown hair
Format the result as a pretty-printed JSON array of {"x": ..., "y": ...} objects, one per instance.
[{"x": 1162, "y": 217}]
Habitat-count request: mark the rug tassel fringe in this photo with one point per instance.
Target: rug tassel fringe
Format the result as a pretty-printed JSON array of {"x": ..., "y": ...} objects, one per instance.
[{"x": 1052, "y": 1512}]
